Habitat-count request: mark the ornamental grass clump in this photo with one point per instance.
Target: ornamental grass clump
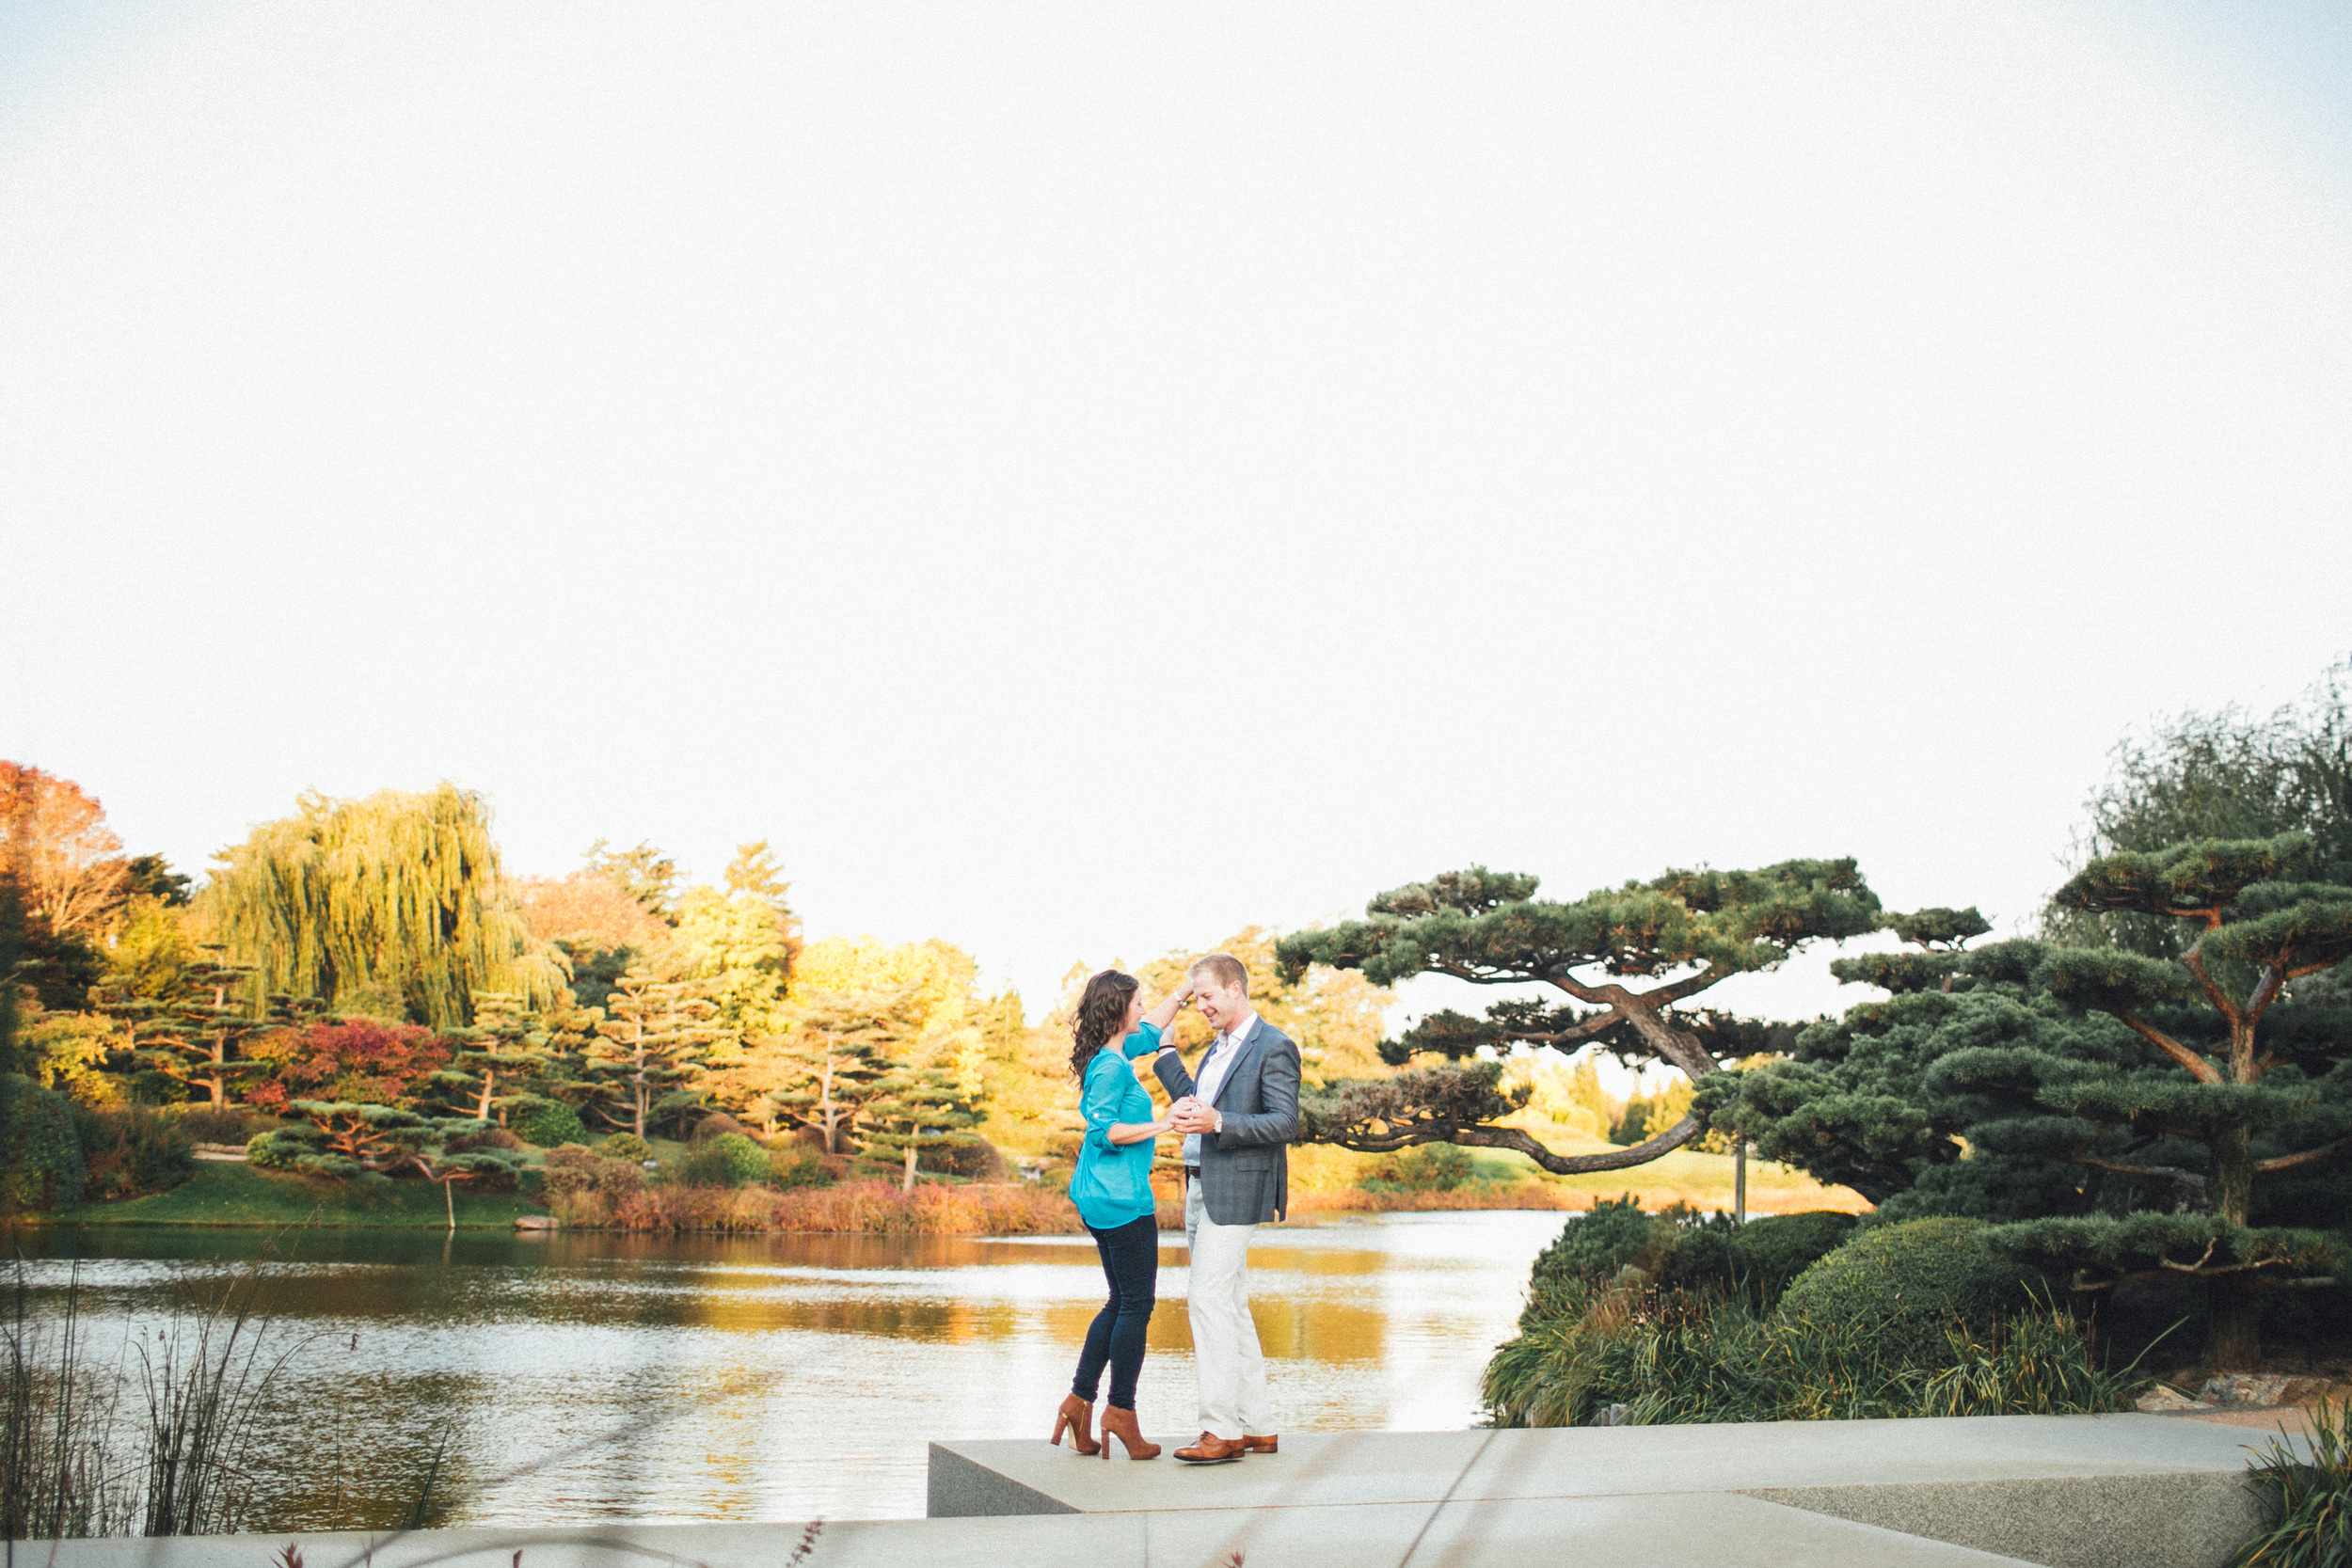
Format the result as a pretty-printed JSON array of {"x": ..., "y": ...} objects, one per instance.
[
  {"x": 2307, "y": 1492},
  {"x": 1677, "y": 1357},
  {"x": 1680, "y": 1320}
]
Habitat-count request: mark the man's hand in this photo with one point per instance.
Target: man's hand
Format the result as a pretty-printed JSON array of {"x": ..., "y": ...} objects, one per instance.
[{"x": 1189, "y": 1115}]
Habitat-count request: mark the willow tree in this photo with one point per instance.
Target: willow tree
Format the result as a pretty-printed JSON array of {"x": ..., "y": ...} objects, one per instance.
[
  {"x": 1687, "y": 931},
  {"x": 399, "y": 892}
]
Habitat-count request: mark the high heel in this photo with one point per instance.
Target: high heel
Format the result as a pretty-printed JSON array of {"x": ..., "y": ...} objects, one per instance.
[
  {"x": 1076, "y": 1416},
  {"x": 1121, "y": 1424}
]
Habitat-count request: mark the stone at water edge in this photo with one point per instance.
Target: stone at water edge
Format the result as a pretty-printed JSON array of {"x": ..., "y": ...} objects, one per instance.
[{"x": 537, "y": 1222}]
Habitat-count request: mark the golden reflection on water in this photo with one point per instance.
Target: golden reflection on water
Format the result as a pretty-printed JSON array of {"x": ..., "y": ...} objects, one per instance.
[{"x": 586, "y": 1376}]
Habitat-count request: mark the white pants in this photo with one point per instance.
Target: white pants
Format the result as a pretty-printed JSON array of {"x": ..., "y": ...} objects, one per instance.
[{"x": 1225, "y": 1353}]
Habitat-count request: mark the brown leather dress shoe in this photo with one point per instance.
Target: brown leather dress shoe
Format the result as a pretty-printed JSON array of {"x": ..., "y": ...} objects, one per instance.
[
  {"x": 1213, "y": 1449},
  {"x": 1263, "y": 1444}
]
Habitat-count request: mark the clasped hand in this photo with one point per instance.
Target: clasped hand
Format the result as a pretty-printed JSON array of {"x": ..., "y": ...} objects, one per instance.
[{"x": 1189, "y": 1115}]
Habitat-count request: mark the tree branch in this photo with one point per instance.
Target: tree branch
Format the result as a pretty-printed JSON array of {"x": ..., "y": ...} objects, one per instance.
[
  {"x": 1583, "y": 1031},
  {"x": 2288, "y": 1161},
  {"x": 2265, "y": 991},
  {"x": 1574, "y": 1165},
  {"x": 2194, "y": 959},
  {"x": 2198, "y": 1068},
  {"x": 2170, "y": 1173},
  {"x": 1689, "y": 985}
]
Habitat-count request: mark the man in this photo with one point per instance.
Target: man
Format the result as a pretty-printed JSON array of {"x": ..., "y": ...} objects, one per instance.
[{"x": 1237, "y": 1117}]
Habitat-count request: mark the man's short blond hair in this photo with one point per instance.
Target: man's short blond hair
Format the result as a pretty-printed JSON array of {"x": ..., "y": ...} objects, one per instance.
[{"x": 1224, "y": 967}]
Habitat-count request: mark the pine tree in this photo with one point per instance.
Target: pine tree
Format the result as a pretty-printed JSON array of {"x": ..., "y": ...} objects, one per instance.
[
  {"x": 647, "y": 1046},
  {"x": 846, "y": 1044},
  {"x": 506, "y": 1048},
  {"x": 2246, "y": 1084},
  {"x": 192, "y": 1024},
  {"x": 2135, "y": 1117},
  {"x": 350, "y": 1140},
  {"x": 915, "y": 1107},
  {"x": 1489, "y": 928}
]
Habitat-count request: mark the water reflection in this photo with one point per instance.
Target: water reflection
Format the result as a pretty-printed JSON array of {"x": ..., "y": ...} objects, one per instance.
[{"x": 581, "y": 1377}]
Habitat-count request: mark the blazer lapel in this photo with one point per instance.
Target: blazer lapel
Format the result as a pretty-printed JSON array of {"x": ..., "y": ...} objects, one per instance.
[{"x": 1241, "y": 1054}]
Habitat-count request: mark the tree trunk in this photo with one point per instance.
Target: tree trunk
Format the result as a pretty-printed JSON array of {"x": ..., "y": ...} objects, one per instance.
[
  {"x": 2234, "y": 1339},
  {"x": 2233, "y": 1332},
  {"x": 448, "y": 1192},
  {"x": 910, "y": 1182},
  {"x": 489, "y": 1078},
  {"x": 824, "y": 1106},
  {"x": 2233, "y": 1174}
]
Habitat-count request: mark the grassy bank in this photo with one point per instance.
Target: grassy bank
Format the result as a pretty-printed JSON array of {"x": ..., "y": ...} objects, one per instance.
[
  {"x": 1327, "y": 1179},
  {"x": 224, "y": 1194},
  {"x": 1324, "y": 1180}
]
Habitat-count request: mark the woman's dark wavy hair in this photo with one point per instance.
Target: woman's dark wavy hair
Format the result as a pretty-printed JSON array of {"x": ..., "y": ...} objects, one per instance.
[{"x": 1101, "y": 1010}]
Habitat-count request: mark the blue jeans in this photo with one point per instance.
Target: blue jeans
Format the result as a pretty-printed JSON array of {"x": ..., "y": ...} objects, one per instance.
[{"x": 1131, "y": 1263}]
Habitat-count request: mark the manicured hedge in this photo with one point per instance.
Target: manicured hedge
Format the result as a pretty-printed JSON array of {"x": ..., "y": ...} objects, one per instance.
[{"x": 1898, "y": 1286}]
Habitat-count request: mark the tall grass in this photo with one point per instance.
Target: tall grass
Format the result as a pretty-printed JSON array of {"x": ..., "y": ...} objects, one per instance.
[
  {"x": 75, "y": 1461},
  {"x": 204, "y": 1380},
  {"x": 55, "y": 1479},
  {"x": 1707, "y": 1355},
  {"x": 2309, "y": 1498},
  {"x": 619, "y": 1200}
]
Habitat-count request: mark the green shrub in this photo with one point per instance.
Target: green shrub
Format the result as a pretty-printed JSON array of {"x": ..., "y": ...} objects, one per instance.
[
  {"x": 229, "y": 1124},
  {"x": 551, "y": 1126},
  {"x": 1702, "y": 1356},
  {"x": 1598, "y": 1243},
  {"x": 1900, "y": 1285},
  {"x": 797, "y": 1166},
  {"x": 975, "y": 1158},
  {"x": 626, "y": 1146},
  {"x": 269, "y": 1151},
  {"x": 1774, "y": 1250},
  {"x": 1760, "y": 1258},
  {"x": 40, "y": 1151},
  {"x": 1425, "y": 1168},
  {"x": 729, "y": 1160},
  {"x": 132, "y": 1151}
]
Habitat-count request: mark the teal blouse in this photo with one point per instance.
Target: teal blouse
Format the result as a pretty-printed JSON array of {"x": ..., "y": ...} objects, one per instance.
[{"x": 1112, "y": 1185}]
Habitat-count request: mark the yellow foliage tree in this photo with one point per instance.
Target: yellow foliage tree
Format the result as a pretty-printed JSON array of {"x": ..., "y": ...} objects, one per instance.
[
  {"x": 1566, "y": 1093},
  {"x": 1338, "y": 1017},
  {"x": 945, "y": 984}
]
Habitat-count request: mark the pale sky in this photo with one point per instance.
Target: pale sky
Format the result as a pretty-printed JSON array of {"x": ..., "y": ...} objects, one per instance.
[{"x": 1080, "y": 479}]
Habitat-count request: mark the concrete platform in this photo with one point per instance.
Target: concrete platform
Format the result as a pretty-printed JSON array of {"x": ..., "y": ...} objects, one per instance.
[
  {"x": 2064, "y": 1491},
  {"x": 1699, "y": 1530}
]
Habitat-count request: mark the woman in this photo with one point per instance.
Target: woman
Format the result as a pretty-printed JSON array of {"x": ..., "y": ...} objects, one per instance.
[{"x": 1112, "y": 1188}]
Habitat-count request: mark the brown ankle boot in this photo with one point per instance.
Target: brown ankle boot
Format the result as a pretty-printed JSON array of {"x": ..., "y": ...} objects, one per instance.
[
  {"x": 1121, "y": 1424},
  {"x": 1077, "y": 1415}
]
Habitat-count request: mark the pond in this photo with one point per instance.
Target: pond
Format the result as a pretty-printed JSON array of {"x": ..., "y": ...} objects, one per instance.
[{"x": 580, "y": 1376}]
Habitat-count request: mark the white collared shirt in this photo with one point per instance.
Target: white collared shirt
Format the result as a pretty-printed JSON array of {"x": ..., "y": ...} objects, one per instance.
[{"x": 1213, "y": 1067}]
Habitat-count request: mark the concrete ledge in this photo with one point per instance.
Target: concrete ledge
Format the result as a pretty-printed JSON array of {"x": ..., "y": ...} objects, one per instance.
[
  {"x": 2191, "y": 1520},
  {"x": 1698, "y": 1530},
  {"x": 2066, "y": 1490}
]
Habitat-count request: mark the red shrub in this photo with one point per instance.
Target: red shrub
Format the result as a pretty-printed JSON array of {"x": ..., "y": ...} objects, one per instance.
[{"x": 362, "y": 1060}]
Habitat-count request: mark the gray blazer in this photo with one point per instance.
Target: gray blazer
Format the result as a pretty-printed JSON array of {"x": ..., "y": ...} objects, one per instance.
[{"x": 1245, "y": 1170}]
